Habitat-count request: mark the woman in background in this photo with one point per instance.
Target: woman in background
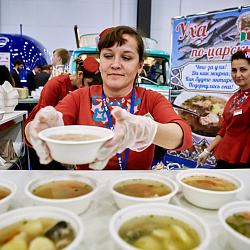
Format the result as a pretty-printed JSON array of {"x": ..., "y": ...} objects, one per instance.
[
  {"x": 118, "y": 104},
  {"x": 232, "y": 143},
  {"x": 87, "y": 73},
  {"x": 5, "y": 75}
]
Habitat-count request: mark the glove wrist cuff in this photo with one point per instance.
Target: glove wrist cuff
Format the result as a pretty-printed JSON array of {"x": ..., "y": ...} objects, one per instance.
[{"x": 206, "y": 151}]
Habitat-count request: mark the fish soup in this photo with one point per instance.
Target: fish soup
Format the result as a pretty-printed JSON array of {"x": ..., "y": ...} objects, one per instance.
[
  {"x": 39, "y": 233},
  {"x": 142, "y": 188},
  {"x": 159, "y": 233},
  {"x": 4, "y": 192},
  {"x": 240, "y": 222},
  {"x": 210, "y": 109},
  {"x": 62, "y": 189},
  {"x": 74, "y": 137},
  {"x": 209, "y": 183}
]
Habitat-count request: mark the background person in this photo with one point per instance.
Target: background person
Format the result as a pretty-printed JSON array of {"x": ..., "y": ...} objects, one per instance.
[
  {"x": 43, "y": 77},
  {"x": 87, "y": 72},
  {"x": 59, "y": 60},
  {"x": 118, "y": 100},
  {"x": 31, "y": 77},
  {"x": 232, "y": 143},
  {"x": 18, "y": 65},
  {"x": 5, "y": 75}
]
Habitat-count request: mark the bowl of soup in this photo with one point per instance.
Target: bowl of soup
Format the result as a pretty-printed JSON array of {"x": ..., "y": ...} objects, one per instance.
[
  {"x": 235, "y": 219},
  {"x": 158, "y": 226},
  {"x": 7, "y": 193},
  {"x": 34, "y": 228},
  {"x": 130, "y": 189},
  {"x": 76, "y": 144},
  {"x": 72, "y": 191},
  {"x": 209, "y": 188}
]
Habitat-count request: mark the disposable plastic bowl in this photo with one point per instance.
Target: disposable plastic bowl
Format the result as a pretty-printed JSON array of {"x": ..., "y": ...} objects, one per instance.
[
  {"x": 126, "y": 214},
  {"x": 125, "y": 200},
  {"x": 75, "y": 152},
  {"x": 22, "y": 214},
  {"x": 206, "y": 198},
  {"x": 77, "y": 205},
  {"x": 5, "y": 202},
  {"x": 237, "y": 240}
]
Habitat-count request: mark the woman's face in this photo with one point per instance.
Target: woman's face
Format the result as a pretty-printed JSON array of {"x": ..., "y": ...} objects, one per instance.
[
  {"x": 119, "y": 66},
  {"x": 240, "y": 72}
]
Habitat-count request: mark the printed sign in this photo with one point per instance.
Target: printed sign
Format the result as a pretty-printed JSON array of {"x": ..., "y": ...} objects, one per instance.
[{"x": 5, "y": 59}]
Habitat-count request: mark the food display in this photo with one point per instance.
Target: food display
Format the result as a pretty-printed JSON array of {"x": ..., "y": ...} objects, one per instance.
[
  {"x": 33, "y": 234},
  {"x": 209, "y": 183},
  {"x": 209, "y": 109},
  {"x": 240, "y": 222},
  {"x": 142, "y": 188},
  {"x": 65, "y": 189},
  {"x": 159, "y": 232}
]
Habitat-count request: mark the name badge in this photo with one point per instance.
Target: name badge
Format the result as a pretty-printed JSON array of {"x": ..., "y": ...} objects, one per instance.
[{"x": 238, "y": 112}]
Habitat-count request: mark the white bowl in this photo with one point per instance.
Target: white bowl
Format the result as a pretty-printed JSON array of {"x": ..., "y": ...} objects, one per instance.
[
  {"x": 237, "y": 240},
  {"x": 11, "y": 102},
  {"x": 126, "y": 200},
  {"x": 206, "y": 198},
  {"x": 76, "y": 205},
  {"x": 1, "y": 114},
  {"x": 20, "y": 214},
  {"x": 5, "y": 202},
  {"x": 75, "y": 152},
  {"x": 126, "y": 214}
]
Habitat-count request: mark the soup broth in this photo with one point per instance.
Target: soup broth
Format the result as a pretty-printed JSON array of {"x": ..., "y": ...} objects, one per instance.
[
  {"x": 74, "y": 137},
  {"x": 142, "y": 188},
  {"x": 210, "y": 108},
  {"x": 209, "y": 183},
  {"x": 157, "y": 232},
  {"x": 4, "y": 192},
  {"x": 32, "y": 234},
  {"x": 62, "y": 189},
  {"x": 240, "y": 222}
]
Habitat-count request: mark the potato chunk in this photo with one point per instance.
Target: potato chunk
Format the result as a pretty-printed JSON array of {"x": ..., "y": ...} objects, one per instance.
[{"x": 42, "y": 243}]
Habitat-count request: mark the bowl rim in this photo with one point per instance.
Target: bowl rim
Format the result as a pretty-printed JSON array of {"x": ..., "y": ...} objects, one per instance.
[
  {"x": 28, "y": 192},
  {"x": 225, "y": 209},
  {"x": 17, "y": 213},
  {"x": 146, "y": 176},
  {"x": 156, "y": 206},
  {"x": 180, "y": 176},
  {"x": 7, "y": 183},
  {"x": 110, "y": 134}
]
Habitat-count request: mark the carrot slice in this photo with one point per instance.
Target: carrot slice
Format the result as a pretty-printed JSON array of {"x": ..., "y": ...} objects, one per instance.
[
  {"x": 10, "y": 237},
  {"x": 207, "y": 181}
]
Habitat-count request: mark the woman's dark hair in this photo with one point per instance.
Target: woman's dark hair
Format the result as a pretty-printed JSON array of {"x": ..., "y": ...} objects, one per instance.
[
  {"x": 5, "y": 75},
  {"x": 115, "y": 35},
  {"x": 241, "y": 55},
  {"x": 97, "y": 80}
]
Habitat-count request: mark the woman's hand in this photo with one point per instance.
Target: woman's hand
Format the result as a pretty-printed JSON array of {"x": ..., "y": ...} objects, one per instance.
[
  {"x": 202, "y": 158},
  {"x": 131, "y": 131},
  {"x": 45, "y": 118}
]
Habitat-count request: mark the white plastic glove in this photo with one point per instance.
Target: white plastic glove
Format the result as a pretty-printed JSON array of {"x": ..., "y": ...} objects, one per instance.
[
  {"x": 45, "y": 118},
  {"x": 131, "y": 131},
  {"x": 202, "y": 158}
]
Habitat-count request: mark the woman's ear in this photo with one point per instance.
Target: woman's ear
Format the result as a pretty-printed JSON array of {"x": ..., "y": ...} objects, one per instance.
[
  {"x": 79, "y": 74},
  {"x": 140, "y": 66}
]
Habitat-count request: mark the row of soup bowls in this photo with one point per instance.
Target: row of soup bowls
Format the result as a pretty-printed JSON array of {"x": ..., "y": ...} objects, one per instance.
[{"x": 130, "y": 207}]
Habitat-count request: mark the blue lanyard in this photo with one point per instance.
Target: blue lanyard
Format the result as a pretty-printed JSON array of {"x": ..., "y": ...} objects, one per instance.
[{"x": 122, "y": 165}]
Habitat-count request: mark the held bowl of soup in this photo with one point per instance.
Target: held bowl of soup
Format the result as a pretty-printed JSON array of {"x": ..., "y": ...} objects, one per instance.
[
  {"x": 130, "y": 189},
  {"x": 235, "y": 219},
  {"x": 7, "y": 192},
  {"x": 76, "y": 144},
  {"x": 72, "y": 191},
  {"x": 35, "y": 228},
  {"x": 158, "y": 226},
  {"x": 208, "y": 188}
]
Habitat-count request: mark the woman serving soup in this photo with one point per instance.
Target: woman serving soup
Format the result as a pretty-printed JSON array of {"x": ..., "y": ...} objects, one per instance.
[
  {"x": 232, "y": 143},
  {"x": 118, "y": 105}
]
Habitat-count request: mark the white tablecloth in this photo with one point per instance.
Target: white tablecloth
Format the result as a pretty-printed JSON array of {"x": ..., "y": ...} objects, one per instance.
[{"x": 96, "y": 217}]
